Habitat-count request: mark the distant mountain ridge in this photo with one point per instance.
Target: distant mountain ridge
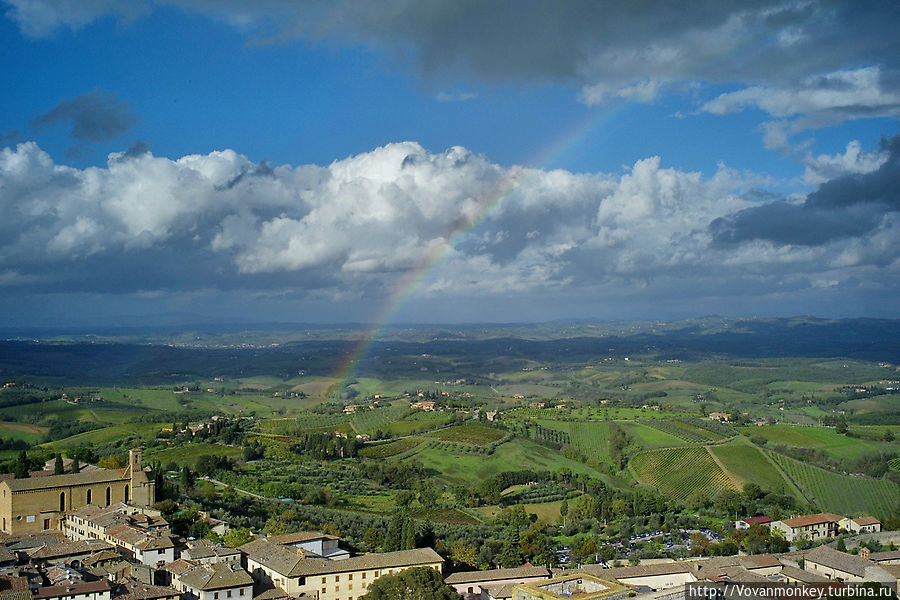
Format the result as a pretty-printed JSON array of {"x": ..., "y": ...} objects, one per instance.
[{"x": 167, "y": 356}]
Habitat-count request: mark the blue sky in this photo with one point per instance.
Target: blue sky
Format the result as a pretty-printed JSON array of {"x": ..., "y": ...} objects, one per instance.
[{"x": 437, "y": 162}]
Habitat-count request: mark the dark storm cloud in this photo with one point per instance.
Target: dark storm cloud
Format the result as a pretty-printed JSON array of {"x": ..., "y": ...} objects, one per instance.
[
  {"x": 630, "y": 49},
  {"x": 848, "y": 206},
  {"x": 96, "y": 117}
]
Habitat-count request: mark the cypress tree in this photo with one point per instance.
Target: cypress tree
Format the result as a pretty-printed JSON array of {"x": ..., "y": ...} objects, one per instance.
[{"x": 22, "y": 470}]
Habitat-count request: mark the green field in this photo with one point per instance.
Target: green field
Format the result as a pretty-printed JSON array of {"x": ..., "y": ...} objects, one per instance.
[
  {"x": 843, "y": 494},
  {"x": 301, "y": 424},
  {"x": 749, "y": 464},
  {"x": 140, "y": 432},
  {"x": 451, "y": 516},
  {"x": 57, "y": 409},
  {"x": 530, "y": 390},
  {"x": 677, "y": 472},
  {"x": 32, "y": 434},
  {"x": 514, "y": 455},
  {"x": 189, "y": 454},
  {"x": 475, "y": 434},
  {"x": 591, "y": 439},
  {"x": 685, "y": 432},
  {"x": 650, "y": 437},
  {"x": 390, "y": 449},
  {"x": 822, "y": 438},
  {"x": 417, "y": 422},
  {"x": 873, "y": 405},
  {"x": 146, "y": 398},
  {"x": 371, "y": 420}
]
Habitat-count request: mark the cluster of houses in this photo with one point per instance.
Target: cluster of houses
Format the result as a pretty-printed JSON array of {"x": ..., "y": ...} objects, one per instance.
[
  {"x": 813, "y": 527},
  {"x": 665, "y": 580},
  {"x": 93, "y": 535},
  {"x": 127, "y": 552}
]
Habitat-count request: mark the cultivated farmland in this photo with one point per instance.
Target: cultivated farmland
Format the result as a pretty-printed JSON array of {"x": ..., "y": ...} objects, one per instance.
[
  {"x": 679, "y": 471},
  {"x": 683, "y": 431},
  {"x": 844, "y": 494},
  {"x": 390, "y": 449},
  {"x": 749, "y": 464},
  {"x": 470, "y": 433}
]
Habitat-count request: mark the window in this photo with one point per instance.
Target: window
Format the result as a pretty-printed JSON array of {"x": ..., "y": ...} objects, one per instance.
[
  {"x": 350, "y": 577},
  {"x": 337, "y": 578},
  {"x": 216, "y": 595},
  {"x": 323, "y": 590},
  {"x": 363, "y": 575},
  {"x": 89, "y": 496},
  {"x": 228, "y": 595},
  {"x": 242, "y": 592},
  {"x": 126, "y": 493},
  {"x": 323, "y": 580},
  {"x": 108, "y": 495}
]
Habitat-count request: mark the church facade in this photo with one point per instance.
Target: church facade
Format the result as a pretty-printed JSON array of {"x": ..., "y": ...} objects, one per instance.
[{"x": 36, "y": 504}]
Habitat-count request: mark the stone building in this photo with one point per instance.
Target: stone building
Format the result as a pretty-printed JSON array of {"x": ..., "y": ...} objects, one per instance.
[
  {"x": 294, "y": 572},
  {"x": 37, "y": 504}
]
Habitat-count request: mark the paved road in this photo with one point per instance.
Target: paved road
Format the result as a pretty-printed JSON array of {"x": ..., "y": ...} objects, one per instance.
[{"x": 239, "y": 490}]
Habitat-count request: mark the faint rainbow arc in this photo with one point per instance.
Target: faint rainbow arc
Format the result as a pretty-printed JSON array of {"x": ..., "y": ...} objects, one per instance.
[{"x": 416, "y": 277}]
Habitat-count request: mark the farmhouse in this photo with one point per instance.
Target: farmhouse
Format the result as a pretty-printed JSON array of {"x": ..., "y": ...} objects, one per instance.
[
  {"x": 860, "y": 524},
  {"x": 808, "y": 527},
  {"x": 293, "y": 571},
  {"x": 37, "y": 504}
]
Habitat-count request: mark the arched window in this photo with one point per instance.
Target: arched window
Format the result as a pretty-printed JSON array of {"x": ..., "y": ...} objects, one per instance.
[
  {"x": 62, "y": 502},
  {"x": 126, "y": 492},
  {"x": 89, "y": 496},
  {"x": 108, "y": 495}
]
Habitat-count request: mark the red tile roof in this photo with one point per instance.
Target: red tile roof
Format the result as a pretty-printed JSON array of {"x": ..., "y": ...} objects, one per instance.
[{"x": 807, "y": 520}]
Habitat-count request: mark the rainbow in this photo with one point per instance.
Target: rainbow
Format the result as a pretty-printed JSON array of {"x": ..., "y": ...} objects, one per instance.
[{"x": 417, "y": 277}]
